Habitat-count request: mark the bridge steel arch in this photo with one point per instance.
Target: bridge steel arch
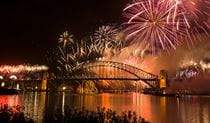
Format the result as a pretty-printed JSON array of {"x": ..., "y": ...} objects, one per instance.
[{"x": 148, "y": 78}]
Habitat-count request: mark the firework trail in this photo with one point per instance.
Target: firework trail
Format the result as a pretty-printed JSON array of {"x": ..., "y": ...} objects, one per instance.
[{"x": 159, "y": 24}]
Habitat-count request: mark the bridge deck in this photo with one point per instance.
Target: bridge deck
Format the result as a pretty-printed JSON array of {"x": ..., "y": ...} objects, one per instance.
[{"x": 69, "y": 79}]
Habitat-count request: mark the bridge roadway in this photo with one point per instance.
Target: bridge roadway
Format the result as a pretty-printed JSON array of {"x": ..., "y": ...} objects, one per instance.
[{"x": 91, "y": 78}]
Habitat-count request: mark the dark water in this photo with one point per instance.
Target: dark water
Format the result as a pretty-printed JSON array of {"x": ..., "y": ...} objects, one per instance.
[{"x": 189, "y": 109}]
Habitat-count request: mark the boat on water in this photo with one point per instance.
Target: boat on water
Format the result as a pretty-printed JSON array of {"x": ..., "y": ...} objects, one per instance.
[{"x": 8, "y": 91}]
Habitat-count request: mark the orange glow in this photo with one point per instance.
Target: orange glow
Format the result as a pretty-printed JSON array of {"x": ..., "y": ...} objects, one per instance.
[
  {"x": 10, "y": 100},
  {"x": 106, "y": 101},
  {"x": 146, "y": 107},
  {"x": 3, "y": 100},
  {"x": 163, "y": 106}
]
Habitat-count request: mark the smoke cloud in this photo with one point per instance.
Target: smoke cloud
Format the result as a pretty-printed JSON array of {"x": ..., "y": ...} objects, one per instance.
[{"x": 198, "y": 52}]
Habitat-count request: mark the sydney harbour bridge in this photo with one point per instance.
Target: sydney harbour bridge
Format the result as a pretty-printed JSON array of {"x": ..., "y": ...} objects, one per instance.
[{"x": 95, "y": 70}]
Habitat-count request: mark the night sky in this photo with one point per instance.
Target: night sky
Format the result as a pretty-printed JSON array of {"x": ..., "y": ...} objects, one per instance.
[{"x": 28, "y": 28}]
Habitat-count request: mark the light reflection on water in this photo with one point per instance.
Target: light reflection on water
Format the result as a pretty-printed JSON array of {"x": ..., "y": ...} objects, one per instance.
[{"x": 189, "y": 109}]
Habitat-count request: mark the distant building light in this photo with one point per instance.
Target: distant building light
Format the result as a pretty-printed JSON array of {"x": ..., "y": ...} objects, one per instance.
[
  {"x": 36, "y": 87},
  {"x": 2, "y": 84},
  {"x": 64, "y": 88},
  {"x": 13, "y": 77},
  {"x": 18, "y": 87},
  {"x": 1, "y": 77}
]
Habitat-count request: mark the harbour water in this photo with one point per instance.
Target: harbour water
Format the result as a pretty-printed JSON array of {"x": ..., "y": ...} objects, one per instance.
[{"x": 156, "y": 109}]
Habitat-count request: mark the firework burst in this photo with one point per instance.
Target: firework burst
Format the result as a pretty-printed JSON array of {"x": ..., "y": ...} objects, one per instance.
[
  {"x": 106, "y": 37},
  {"x": 65, "y": 38},
  {"x": 193, "y": 14},
  {"x": 151, "y": 25},
  {"x": 75, "y": 53},
  {"x": 159, "y": 24},
  {"x": 71, "y": 54}
]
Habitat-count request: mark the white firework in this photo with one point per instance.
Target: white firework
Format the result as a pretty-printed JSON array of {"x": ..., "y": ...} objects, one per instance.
[
  {"x": 105, "y": 37},
  {"x": 72, "y": 54},
  {"x": 65, "y": 38},
  {"x": 76, "y": 54}
]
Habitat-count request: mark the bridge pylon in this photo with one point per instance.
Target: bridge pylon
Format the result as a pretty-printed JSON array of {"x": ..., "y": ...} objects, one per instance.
[
  {"x": 163, "y": 79},
  {"x": 44, "y": 81}
]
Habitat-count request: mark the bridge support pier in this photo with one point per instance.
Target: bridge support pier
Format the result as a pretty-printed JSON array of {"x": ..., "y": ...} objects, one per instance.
[
  {"x": 44, "y": 81},
  {"x": 163, "y": 79}
]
